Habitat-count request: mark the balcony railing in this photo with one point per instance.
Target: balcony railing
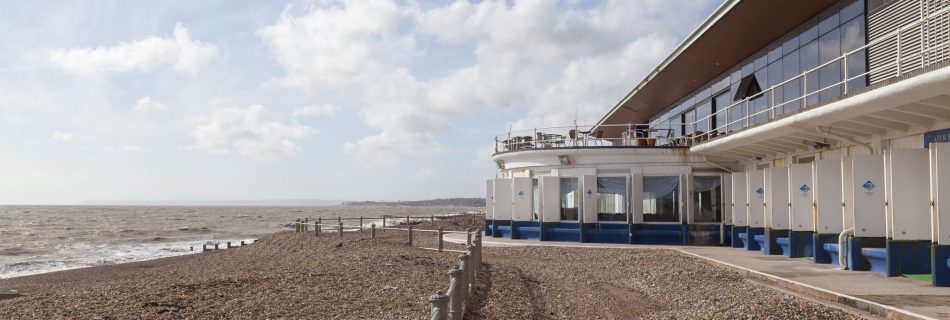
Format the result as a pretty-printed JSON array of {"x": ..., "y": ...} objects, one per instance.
[
  {"x": 582, "y": 136},
  {"x": 914, "y": 52}
]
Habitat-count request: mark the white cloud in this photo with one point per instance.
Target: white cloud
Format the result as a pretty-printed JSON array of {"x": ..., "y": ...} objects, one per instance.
[
  {"x": 251, "y": 131},
  {"x": 63, "y": 136},
  {"x": 179, "y": 52},
  {"x": 131, "y": 148},
  {"x": 149, "y": 104},
  {"x": 316, "y": 110},
  {"x": 548, "y": 60}
]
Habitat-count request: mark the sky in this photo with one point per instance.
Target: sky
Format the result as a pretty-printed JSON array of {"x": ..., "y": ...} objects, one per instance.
[{"x": 344, "y": 100}]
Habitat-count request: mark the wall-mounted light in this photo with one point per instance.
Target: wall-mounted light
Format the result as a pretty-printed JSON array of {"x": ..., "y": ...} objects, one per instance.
[{"x": 564, "y": 160}]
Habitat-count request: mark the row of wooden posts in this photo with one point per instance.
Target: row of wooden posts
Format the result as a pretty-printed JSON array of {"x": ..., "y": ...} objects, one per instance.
[
  {"x": 303, "y": 226},
  {"x": 207, "y": 247}
]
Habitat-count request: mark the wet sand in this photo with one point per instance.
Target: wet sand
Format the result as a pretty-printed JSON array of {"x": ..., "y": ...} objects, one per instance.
[{"x": 288, "y": 275}]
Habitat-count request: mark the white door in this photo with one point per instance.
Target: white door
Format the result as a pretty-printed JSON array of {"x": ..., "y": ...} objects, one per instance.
[
  {"x": 910, "y": 196},
  {"x": 756, "y": 199},
  {"x": 801, "y": 196},
  {"x": 778, "y": 198},
  {"x": 940, "y": 190},
  {"x": 740, "y": 212},
  {"x": 868, "y": 198},
  {"x": 503, "y": 199},
  {"x": 522, "y": 199},
  {"x": 828, "y": 198},
  {"x": 550, "y": 198}
]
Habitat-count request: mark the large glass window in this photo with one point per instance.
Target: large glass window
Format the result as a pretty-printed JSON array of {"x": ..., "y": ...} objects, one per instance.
[
  {"x": 702, "y": 114},
  {"x": 829, "y": 49},
  {"x": 689, "y": 117},
  {"x": 720, "y": 102},
  {"x": 707, "y": 198},
  {"x": 792, "y": 90},
  {"x": 852, "y": 37},
  {"x": 569, "y": 199},
  {"x": 661, "y": 199},
  {"x": 612, "y": 198}
]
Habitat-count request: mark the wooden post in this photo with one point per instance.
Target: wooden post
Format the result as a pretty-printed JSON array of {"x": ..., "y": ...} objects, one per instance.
[
  {"x": 384, "y": 223},
  {"x": 215, "y": 246},
  {"x": 440, "y": 308},
  {"x": 297, "y": 225},
  {"x": 373, "y": 230},
  {"x": 440, "y": 239},
  {"x": 463, "y": 261},
  {"x": 319, "y": 226},
  {"x": 410, "y": 235},
  {"x": 361, "y": 224},
  {"x": 339, "y": 219},
  {"x": 432, "y": 217},
  {"x": 468, "y": 237},
  {"x": 192, "y": 248},
  {"x": 341, "y": 229},
  {"x": 204, "y": 247},
  {"x": 306, "y": 228},
  {"x": 242, "y": 243},
  {"x": 407, "y": 220},
  {"x": 229, "y": 244}
]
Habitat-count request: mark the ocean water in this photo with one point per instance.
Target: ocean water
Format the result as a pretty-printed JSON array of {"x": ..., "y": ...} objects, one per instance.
[{"x": 38, "y": 239}]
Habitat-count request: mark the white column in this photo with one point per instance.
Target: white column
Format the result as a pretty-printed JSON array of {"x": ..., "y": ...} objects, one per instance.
[
  {"x": 940, "y": 192},
  {"x": 778, "y": 199},
  {"x": 636, "y": 197},
  {"x": 727, "y": 207},
  {"x": 589, "y": 198},
  {"x": 490, "y": 200}
]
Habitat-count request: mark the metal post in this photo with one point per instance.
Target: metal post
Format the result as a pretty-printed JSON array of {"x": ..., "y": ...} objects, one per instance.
[
  {"x": 455, "y": 290},
  {"x": 440, "y": 308},
  {"x": 440, "y": 239},
  {"x": 341, "y": 229},
  {"x": 410, "y": 236},
  {"x": 373, "y": 230},
  {"x": 845, "y": 63}
]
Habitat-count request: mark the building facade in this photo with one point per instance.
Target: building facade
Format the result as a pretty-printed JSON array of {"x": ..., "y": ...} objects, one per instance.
[{"x": 812, "y": 128}]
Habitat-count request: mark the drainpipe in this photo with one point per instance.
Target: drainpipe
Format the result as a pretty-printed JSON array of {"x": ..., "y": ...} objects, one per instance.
[{"x": 842, "y": 246}]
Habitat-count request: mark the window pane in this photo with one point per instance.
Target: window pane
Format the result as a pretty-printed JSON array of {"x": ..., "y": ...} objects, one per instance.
[
  {"x": 790, "y": 44},
  {"x": 828, "y": 20},
  {"x": 809, "y": 31},
  {"x": 707, "y": 198},
  {"x": 661, "y": 199},
  {"x": 612, "y": 202},
  {"x": 775, "y": 54},
  {"x": 791, "y": 91},
  {"x": 809, "y": 60},
  {"x": 569, "y": 199},
  {"x": 852, "y": 37},
  {"x": 702, "y": 111},
  {"x": 829, "y": 48},
  {"x": 720, "y": 102},
  {"x": 852, "y": 9}
]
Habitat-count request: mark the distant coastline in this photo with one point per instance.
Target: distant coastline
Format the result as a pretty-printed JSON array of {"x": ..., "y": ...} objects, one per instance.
[{"x": 447, "y": 202}]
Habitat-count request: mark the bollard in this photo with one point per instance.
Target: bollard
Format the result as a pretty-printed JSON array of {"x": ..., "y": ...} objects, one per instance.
[
  {"x": 440, "y": 239},
  {"x": 373, "y": 231},
  {"x": 229, "y": 244},
  {"x": 339, "y": 219},
  {"x": 297, "y": 225},
  {"x": 468, "y": 237},
  {"x": 470, "y": 271},
  {"x": 242, "y": 243},
  {"x": 455, "y": 290},
  {"x": 341, "y": 229},
  {"x": 204, "y": 247},
  {"x": 361, "y": 224},
  {"x": 410, "y": 236},
  {"x": 439, "y": 303},
  {"x": 463, "y": 292},
  {"x": 407, "y": 220}
]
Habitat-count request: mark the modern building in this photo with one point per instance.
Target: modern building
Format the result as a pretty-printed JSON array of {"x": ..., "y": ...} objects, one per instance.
[{"x": 801, "y": 128}]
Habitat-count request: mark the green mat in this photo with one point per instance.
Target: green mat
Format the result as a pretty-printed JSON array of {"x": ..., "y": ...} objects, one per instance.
[{"x": 922, "y": 277}]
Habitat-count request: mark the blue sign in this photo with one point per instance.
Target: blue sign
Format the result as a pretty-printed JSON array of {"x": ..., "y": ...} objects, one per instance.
[
  {"x": 868, "y": 186},
  {"x": 759, "y": 192},
  {"x": 936, "y": 136},
  {"x": 521, "y": 194},
  {"x": 589, "y": 193},
  {"x": 804, "y": 188}
]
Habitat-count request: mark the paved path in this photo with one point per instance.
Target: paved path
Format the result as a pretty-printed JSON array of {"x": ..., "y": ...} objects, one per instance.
[{"x": 891, "y": 297}]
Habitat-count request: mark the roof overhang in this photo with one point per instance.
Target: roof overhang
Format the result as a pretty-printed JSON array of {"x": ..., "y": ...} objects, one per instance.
[{"x": 735, "y": 31}]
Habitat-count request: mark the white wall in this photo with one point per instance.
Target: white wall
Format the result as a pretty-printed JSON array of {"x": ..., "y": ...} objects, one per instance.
[
  {"x": 801, "y": 196},
  {"x": 522, "y": 195},
  {"x": 490, "y": 199},
  {"x": 502, "y": 199},
  {"x": 756, "y": 196},
  {"x": 868, "y": 202},
  {"x": 828, "y": 196},
  {"x": 778, "y": 208},
  {"x": 740, "y": 196},
  {"x": 910, "y": 199},
  {"x": 550, "y": 198}
]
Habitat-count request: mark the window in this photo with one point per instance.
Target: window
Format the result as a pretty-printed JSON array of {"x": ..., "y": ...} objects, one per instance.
[
  {"x": 707, "y": 199},
  {"x": 612, "y": 198},
  {"x": 569, "y": 199},
  {"x": 852, "y": 37},
  {"x": 719, "y": 102},
  {"x": 792, "y": 90},
  {"x": 687, "y": 119},
  {"x": 702, "y": 116},
  {"x": 537, "y": 200},
  {"x": 829, "y": 49},
  {"x": 661, "y": 199}
]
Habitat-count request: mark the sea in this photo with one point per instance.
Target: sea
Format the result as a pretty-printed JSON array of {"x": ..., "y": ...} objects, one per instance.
[{"x": 39, "y": 239}]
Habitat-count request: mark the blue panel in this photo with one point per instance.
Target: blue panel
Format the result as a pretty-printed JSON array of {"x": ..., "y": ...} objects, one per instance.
[
  {"x": 561, "y": 231},
  {"x": 784, "y": 243},
  {"x": 877, "y": 258},
  {"x": 703, "y": 234},
  {"x": 530, "y": 230},
  {"x": 728, "y": 237},
  {"x": 907, "y": 257},
  {"x": 819, "y": 244},
  {"x": 736, "y": 231},
  {"x": 606, "y": 232},
  {"x": 750, "y": 244},
  {"x": 488, "y": 227},
  {"x": 657, "y": 234},
  {"x": 502, "y": 229},
  {"x": 940, "y": 259},
  {"x": 800, "y": 244},
  {"x": 769, "y": 243}
]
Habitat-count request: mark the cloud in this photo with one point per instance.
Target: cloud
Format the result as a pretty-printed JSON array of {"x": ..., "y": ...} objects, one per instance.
[
  {"x": 148, "y": 104},
  {"x": 316, "y": 110},
  {"x": 251, "y": 131},
  {"x": 546, "y": 60},
  {"x": 63, "y": 136},
  {"x": 179, "y": 52}
]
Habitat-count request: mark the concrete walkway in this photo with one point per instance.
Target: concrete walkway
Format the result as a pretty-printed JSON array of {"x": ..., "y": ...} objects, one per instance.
[{"x": 889, "y": 297}]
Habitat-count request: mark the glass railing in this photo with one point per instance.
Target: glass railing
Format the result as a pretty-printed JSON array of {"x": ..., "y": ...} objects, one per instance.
[{"x": 588, "y": 136}]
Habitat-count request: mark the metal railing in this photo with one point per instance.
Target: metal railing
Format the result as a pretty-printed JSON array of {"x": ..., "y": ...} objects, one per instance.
[{"x": 764, "y": 106}]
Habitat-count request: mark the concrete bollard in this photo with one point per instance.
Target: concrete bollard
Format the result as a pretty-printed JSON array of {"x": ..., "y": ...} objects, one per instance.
[
  {"x": 373, "y": 231},
  {"x": 455, "y": 290},
  {"x": 410, "y": 235},
  {"x": 440, "y": 308},
  {"x": 440, "y": 238},
  {"x": 341, "y": 229},
  {"x": 463, "y": 288}
]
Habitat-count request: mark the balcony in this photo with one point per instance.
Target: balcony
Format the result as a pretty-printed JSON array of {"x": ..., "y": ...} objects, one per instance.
[{"x": 582, "y": 137}]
